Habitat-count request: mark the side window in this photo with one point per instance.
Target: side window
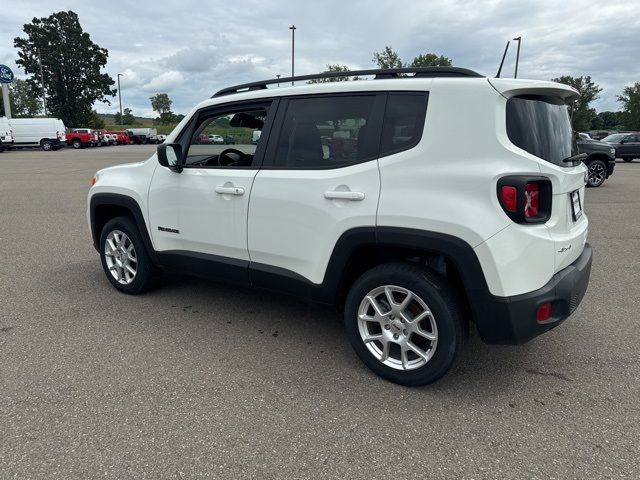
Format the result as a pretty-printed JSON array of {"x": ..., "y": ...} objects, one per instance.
[
  {"x": 326, "y": 132},
  {"x": 403, "y": 122},
  {"x": 226, "y": 139}
]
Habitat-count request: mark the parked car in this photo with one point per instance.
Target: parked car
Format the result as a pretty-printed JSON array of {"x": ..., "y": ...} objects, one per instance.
[
  {"x": 229, "y": 140},
  {"x": 121, "y": 137},
  {"x": 161, "y": 137},
  {"x": 255, "y": 136},
  {"x": 81, "y": 137},
  {"x": 600, "y": 160},
  {"x": 599, "y": 134},
  {"x": 143, "y": 135},
  {"x": 412, "y": 234},
  {"x": 46, "y": 133},
  {"x": 217, "y": 139},
  {"x": 584, "y": 136},
  {"x": 6, "y": 135},
  {"x": 627, "y": 145}
]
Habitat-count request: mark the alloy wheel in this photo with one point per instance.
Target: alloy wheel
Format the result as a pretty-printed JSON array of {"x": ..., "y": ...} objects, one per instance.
[
  {"x": 397, "y": 327},
  {"x": 596, "y": 174},
  {"x": 120, "y": 256}
]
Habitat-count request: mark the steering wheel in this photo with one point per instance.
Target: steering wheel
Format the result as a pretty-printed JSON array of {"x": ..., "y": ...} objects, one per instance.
[{"x": 227, "y": 161}]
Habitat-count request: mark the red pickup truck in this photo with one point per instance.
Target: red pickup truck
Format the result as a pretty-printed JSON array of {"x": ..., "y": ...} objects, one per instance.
[{"x": 82, "y": 137}]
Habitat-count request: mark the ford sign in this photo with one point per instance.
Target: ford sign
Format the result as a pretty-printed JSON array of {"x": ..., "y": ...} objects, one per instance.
[{"x": 6, "y": 75}]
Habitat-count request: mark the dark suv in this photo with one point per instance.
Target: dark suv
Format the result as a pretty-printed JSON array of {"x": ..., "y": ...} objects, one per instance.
[
  {"x": 627, "y": 145},
  {"x": 600, "y": 160}
]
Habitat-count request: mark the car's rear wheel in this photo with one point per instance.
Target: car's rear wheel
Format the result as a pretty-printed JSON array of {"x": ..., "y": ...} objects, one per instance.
[
  {"x": 46, "y": 145},
  {"x": 597, "y": 173},
  {"x": 124, "y": 257},
  {"x": 76, "y": 144},
  {"x": 405, "y": 323}
]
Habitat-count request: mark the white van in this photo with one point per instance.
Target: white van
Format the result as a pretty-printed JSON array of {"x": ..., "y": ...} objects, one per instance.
[
  {"x": 46, "y": 133},
  {"x": 6, "y": 135}
]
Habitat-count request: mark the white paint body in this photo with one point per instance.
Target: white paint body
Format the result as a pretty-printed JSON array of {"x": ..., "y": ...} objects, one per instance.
[
  {"x": 31, "y": 131},
  {"x": 442, "y": 185},
  {"x": 6, "y": 135}
]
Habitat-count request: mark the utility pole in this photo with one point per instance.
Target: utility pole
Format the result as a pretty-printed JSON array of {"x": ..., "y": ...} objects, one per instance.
[
  {"x": 293, "y": 44},
  {"x": 278, "y": 77},
  {"x": 44, "y": 88},
  {"x": 519, "y": 39},
  {"x": 120, "y": 98}
]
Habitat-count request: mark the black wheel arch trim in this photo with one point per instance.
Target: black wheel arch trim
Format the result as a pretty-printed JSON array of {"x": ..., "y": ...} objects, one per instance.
[{"x": 123, "y": 201}]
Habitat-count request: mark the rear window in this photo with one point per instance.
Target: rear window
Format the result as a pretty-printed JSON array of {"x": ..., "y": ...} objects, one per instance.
[{"x": 541, "y": 126}]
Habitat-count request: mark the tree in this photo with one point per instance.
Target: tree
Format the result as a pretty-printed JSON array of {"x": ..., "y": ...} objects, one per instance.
[
  {"x": 96, "y": 121},
  {"x": 388, "y": 58},
  {"x": 333, "y": 69},
  {"x": 127, "y": 117},
  {"x": 430, "y": 60},
  {"x": 161, "y": 103},
  {"x": 607, "y": 121},
  {"x": 581, "y": 113},
  {"x": 24, "y": 103},
  {"x": 630, "y": 100},
  {"x": 71, "y": 65}
]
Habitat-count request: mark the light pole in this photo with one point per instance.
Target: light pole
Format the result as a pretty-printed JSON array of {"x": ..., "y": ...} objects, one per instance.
[
  {"x": 519, "y": 39},
  {"x": 278, "y": 77},
  {"x": 120, "y": 98},
  {"x": 293, "y": 50}
]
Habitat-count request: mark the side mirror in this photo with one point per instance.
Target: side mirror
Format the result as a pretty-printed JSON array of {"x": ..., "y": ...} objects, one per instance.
[{"x": 170, "y": 156}]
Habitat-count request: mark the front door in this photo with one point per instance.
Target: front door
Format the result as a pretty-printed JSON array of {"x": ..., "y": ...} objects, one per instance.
[{"x": 201, "y": 212}]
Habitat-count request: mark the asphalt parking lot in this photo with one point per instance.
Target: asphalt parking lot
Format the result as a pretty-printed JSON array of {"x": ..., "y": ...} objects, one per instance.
[{"x": 199, "y": 379}]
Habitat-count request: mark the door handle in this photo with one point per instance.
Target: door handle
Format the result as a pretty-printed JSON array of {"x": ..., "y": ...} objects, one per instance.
[
  {"x": 339, "y": 195},
  {"x": 230, "y": 190}
]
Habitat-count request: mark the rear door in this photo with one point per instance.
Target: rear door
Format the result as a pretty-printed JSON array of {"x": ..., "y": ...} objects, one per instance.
[{"x": 320, "y": 179}]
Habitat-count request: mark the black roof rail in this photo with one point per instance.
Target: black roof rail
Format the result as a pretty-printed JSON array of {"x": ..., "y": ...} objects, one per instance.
[{"x": 419, "y": 72}]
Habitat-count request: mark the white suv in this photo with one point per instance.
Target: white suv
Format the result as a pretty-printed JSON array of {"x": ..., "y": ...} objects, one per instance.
[{"x": 416, "y": 202}]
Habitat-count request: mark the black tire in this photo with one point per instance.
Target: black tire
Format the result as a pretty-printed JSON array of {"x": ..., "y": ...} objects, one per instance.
[
  {"x": 628, "y": 160},
  {"x": 597, "y": 173},
  {"x": 46, "y": 145},
  {"x": 76, "y": 143},
  {"x": 441, "y": 300},
  {"x": 146, "y": 272}
]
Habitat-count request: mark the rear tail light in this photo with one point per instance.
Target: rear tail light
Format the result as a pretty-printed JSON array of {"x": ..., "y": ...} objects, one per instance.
[
  {"x": 509, "y": 198},
  {"x": 532, "y": 199},
  {"x": 525, "y": 199}
]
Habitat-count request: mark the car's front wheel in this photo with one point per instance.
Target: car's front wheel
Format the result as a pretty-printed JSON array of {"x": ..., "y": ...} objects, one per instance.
[
  {"x": 628, "y": 160},
  {"x": 405, "y": 323},
  {"x": 125, "y": 259},
  {"x": 597, "y": 173}
]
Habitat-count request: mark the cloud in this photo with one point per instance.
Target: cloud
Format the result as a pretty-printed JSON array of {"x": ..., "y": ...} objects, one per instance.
[
  {"x": 165, "y": 82},
  {"x": 191, "y": 49}
]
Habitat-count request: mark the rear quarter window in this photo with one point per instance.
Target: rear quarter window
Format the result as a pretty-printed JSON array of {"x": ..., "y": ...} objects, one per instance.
[
  {"x": 541, "y": 126},
  {"x": 403, "y": 122}
]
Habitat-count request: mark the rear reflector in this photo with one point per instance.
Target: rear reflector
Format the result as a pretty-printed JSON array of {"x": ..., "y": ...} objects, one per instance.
[
  {"x": 544, "y": 312},
  {"x": 509, "y": 197}
]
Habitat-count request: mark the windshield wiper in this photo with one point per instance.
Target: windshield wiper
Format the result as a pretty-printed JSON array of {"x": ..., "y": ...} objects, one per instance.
[{"x": 575, "y": 158}]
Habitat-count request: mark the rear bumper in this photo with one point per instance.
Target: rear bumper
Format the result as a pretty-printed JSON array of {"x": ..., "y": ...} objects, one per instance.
[{"x": 512, "y": 320}]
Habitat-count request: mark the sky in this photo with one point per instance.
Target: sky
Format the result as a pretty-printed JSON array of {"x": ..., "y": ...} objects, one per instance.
[{"x": 191, "y": 49}]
